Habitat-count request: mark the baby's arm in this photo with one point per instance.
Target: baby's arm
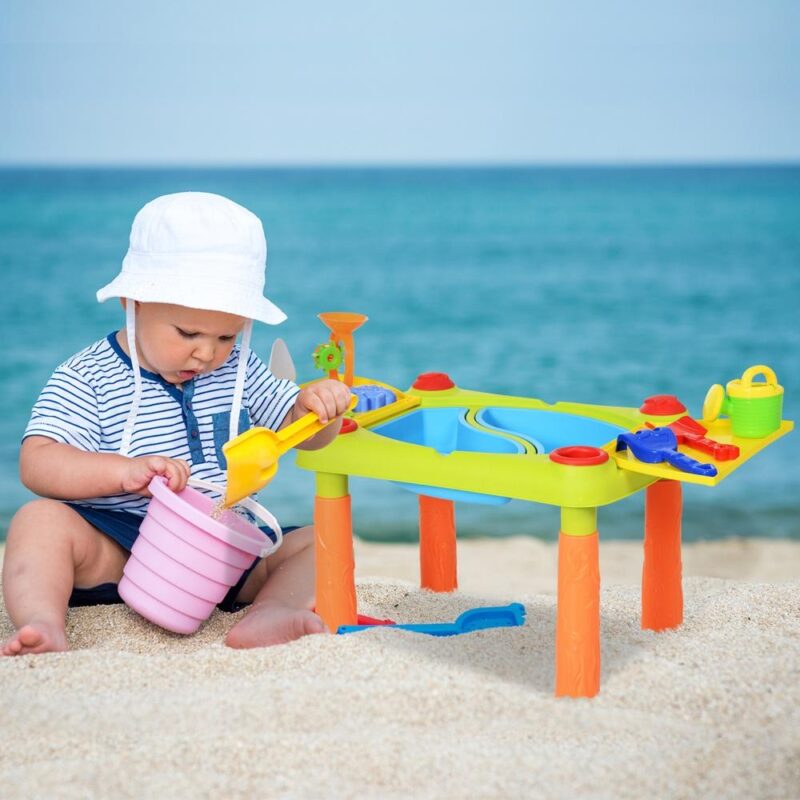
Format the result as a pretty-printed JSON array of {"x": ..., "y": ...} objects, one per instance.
[
  {"x": 53, "y": 469},
  {"x": 328, "y": 399}
]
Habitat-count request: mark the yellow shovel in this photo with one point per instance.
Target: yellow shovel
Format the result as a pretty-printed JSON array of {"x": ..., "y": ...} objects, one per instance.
[{"x": 253, "y": 455}]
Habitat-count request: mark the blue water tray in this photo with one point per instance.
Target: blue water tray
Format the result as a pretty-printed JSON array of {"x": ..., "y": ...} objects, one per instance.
[{"x": 446, "y": 430}]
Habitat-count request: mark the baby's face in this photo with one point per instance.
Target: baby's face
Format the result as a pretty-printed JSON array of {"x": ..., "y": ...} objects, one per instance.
[{"x": 179, "y": 343}]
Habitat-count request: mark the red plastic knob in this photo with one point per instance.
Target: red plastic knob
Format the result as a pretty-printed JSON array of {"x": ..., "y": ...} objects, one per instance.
[
  {"x": 662, "y": 405},
  {"x": 579, "y": 455},
  {"x": 433, "y": 382},
  {"x": 348, "y": 426}
]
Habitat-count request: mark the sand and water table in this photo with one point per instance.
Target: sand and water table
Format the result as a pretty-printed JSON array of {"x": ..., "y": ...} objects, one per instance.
[{"x": 447, "y": 444}]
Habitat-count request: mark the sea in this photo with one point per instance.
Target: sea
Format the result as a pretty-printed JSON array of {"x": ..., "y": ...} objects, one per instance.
[{"x": 593, "y": 284}]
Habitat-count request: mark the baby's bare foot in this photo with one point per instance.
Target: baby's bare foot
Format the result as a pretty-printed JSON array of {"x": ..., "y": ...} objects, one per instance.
[
  {"x": 266, "y": 624},
  {"x": 36, "y": 637}
]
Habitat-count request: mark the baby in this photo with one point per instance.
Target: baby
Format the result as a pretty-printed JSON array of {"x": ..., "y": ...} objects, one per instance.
[{"x": 160, "y": 397}]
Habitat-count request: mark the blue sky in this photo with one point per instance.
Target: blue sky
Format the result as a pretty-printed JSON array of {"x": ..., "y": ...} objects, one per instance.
[{"x": 239, "y": 82}]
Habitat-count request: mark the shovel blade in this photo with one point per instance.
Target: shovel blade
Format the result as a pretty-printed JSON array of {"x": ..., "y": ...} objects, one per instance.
[
  {"x": 687, "y": 425},
  {"x": 252, "y": 463}
]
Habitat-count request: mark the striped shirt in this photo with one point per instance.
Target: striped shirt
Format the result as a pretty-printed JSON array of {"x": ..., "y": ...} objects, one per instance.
[{"x": 87, "y": 399}]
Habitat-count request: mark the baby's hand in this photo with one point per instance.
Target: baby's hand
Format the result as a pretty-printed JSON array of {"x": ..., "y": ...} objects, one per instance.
[
  {"x": 328, "y": 399},
  {"x": 138, "y": 473}
]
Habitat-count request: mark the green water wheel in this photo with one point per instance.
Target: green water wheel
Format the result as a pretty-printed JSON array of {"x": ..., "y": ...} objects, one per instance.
[{"x": 328, "y": 356}]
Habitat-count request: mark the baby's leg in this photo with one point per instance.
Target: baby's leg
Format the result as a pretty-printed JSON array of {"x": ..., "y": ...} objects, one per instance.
[
  {"x": 282, "y": 590},
  {"x": 50, "y": 549}
]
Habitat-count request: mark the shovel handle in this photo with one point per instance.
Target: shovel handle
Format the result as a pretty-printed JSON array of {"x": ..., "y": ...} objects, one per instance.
[
  {"x": 304, "y": 428},
  {"x": 686, "y": 464},
  {"x": 719, "y": 450}
]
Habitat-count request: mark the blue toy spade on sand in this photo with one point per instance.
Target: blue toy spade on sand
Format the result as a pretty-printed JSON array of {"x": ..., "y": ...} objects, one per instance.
[
  {"x": 476, "y": 619},
  {"x": 661, "y": 444}
]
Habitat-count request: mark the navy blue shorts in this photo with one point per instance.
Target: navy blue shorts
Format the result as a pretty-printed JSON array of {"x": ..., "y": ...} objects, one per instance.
[{"x": 123, "y": 528}]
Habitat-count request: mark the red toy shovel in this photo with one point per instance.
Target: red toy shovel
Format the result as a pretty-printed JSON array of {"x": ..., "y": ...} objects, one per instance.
[{"x": 691, "y": 433}]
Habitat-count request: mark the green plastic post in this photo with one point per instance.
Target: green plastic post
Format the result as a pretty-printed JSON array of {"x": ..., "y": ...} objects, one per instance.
[
  {"x": 578, "y": 521},
  {"x": 330, "y": 485}
]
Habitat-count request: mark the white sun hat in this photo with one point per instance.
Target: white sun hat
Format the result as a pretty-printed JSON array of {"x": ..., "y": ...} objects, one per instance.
[{"x": 198, "y": 250}]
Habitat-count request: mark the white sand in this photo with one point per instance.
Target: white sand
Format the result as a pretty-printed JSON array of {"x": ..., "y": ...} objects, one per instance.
[{"x": 710, "y": 710}]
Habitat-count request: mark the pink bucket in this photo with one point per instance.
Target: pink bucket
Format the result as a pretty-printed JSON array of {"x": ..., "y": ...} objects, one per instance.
[{"x": 184, "y": 562}]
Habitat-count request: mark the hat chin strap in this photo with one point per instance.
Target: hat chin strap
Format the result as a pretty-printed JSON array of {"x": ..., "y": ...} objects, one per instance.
[
  {"x": 241, "y": 372},
  {"x": 238, "y": 390},
  {"x": 130, "y": 330}
]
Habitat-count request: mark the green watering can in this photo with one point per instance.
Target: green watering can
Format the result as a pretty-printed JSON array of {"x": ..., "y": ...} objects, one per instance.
[{"x": 754, "y": 407}]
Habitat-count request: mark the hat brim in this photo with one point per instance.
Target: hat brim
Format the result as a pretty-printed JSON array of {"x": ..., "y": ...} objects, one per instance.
[{"x": 211, "y": 296}]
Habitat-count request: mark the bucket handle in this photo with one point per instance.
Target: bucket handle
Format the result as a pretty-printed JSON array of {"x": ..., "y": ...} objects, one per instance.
[
  {"x": 256, "y": 509},
  {"x": 759, "y": 369}
]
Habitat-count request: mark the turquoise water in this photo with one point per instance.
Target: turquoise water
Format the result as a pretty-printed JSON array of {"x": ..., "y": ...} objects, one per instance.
[{"x": 593, "y": 285}]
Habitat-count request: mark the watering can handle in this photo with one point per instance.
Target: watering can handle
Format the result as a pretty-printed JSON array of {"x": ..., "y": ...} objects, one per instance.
[
  {"x": 256, "y": 509},
  {"x": 759, "y": 369}
]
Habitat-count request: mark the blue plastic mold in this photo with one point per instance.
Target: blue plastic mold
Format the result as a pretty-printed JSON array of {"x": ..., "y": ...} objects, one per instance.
[
  {"x": 371, "y": 396},
  {"x": 445, "y": 430},
  {"x": 548, "y": 430},
  {"x": 476, "y": 619}
]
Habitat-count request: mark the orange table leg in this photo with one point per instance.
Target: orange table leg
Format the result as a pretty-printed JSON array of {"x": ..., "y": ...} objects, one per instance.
[
  {"x": 335, "y": 562},
  {"x": 578, "y": 613},
  {"x": 662, "y": 593},
  {"x": 437, "y": 544}
]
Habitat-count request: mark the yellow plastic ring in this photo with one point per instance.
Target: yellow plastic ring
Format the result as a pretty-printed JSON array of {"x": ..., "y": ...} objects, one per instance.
[{"x": 712, "y": 405}]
